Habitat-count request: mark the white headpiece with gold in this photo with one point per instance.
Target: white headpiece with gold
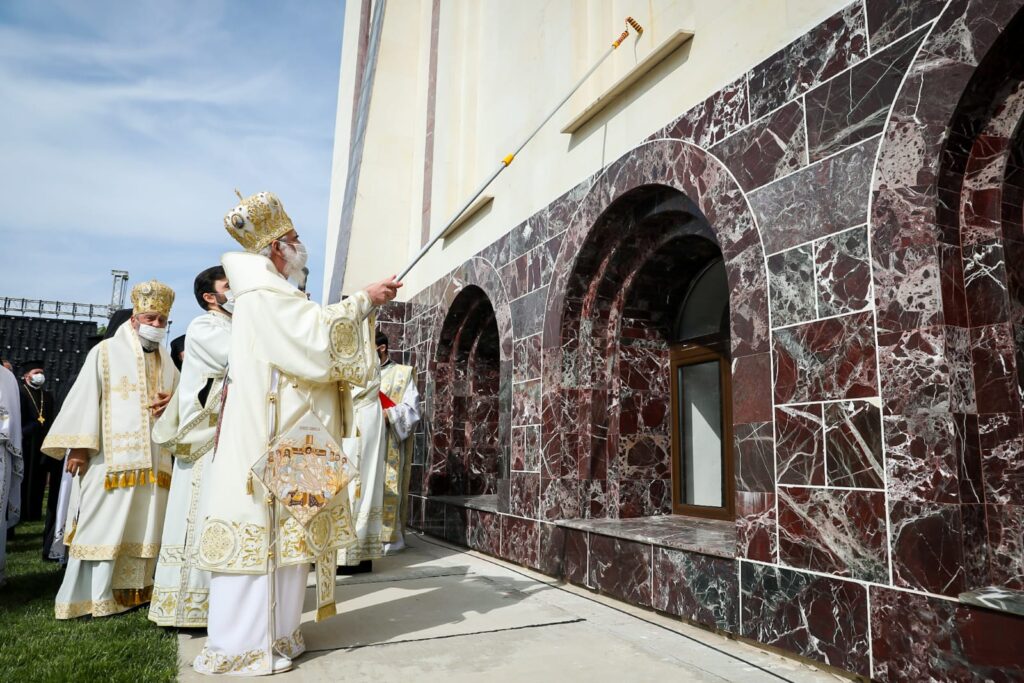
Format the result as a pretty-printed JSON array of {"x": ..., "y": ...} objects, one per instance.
[
  {"x": 152, "y": 297},
  {"x": 258, "y": 221}
]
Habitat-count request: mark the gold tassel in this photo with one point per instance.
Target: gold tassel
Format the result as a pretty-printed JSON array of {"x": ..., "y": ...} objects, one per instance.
[
  {"x": 130, "y": 597},
  {"x": 326, "y": 611},
  {"x": 248, "y": 484}
]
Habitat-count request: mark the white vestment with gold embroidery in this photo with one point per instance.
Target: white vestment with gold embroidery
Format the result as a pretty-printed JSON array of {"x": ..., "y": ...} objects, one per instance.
[
  {"x": 398, "y": 382},
  {"x": 367, "y": 494},
  {"x": 187, "y": 427},
  {"x": 117, "y": 508},
  {"x": 317, "y": 352}
]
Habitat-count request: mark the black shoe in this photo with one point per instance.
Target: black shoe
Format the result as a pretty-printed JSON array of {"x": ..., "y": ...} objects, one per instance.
[{"x": 364, "y": 567}]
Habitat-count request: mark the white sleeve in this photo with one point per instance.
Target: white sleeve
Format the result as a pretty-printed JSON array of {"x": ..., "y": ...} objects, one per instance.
[{"x": 405, "y": 415}]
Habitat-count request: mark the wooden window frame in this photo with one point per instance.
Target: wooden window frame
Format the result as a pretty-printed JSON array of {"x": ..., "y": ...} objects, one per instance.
[{"x": 682, "y": 355}]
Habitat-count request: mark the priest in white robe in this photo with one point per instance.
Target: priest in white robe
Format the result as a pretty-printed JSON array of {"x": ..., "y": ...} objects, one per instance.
[
  {"x": 187, "y": 428},
  {"x": 367, "y": 493},
  {"x": 119, "y": 493},
  {"x": 398, "y": 383},
  {"x": 289, "y": 357},
  {"x": 11, "y": 463}
]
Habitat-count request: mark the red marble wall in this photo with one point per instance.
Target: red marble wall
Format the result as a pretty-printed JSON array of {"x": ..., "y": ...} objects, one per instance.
[{"x": 865, "y": 187}]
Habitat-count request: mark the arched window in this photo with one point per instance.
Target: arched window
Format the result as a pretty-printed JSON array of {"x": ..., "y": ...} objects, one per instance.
[{"x": 701, "y": 406}]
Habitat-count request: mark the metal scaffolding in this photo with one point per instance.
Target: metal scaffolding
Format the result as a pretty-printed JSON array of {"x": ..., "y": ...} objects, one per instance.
[{"x": 69, "y": 309}]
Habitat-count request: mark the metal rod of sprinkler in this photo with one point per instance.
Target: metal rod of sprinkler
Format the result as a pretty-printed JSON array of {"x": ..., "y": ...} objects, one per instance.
[{"x": 508, "y": 159}]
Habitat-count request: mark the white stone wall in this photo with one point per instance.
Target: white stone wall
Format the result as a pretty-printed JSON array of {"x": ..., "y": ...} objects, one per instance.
[{"x": 500, "y": 66}]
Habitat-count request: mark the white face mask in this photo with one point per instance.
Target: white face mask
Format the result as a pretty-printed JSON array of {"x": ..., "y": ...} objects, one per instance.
[
  {"x": 228, "y": 306},
  {"x": 152, "y": 334},
  {"x": 37, "y": 380}
]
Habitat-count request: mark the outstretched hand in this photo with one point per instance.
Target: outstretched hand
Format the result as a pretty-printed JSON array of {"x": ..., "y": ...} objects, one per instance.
[{"x": 383, "y": 291}]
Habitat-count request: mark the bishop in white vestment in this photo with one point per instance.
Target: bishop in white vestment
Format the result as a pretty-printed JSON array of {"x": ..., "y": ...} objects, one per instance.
[
  {"x": 11, "y": 463},
  {"x": 119, "y": 493},
  {"x": 289, "y": 357},
  {"x": 398, "y": 383},
  {"x": 187, "y": 428}
]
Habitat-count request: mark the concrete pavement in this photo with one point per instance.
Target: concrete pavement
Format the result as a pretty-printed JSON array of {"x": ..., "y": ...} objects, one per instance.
[{"x": 439, "y": 613}]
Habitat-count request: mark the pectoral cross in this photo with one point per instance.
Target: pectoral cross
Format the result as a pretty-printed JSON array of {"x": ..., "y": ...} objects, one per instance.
[{"x": 41, "y": 420}]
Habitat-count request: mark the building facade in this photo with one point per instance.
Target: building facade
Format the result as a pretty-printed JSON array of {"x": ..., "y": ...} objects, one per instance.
[{"x": 746, "y": 346}]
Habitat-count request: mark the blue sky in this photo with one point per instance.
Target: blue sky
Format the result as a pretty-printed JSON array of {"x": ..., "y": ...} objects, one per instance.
[{"x": 126, "y": 126}]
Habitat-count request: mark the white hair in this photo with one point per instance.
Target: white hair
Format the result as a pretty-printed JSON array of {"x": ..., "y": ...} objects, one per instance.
[{"x": 265, "y": 251}]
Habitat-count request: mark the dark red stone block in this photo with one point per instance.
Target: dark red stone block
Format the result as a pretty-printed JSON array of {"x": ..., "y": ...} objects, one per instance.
[
  {"x": 854, "y": 105},
  {"x": 829, "y": 359},
  {"x": 853, "y": 442},
  {"x": 754, "y": 455},
  {"x": 918, "y": 637},
  {"x": 750, "y": 376},
  {"x": 520, "y": 540},
  {"x": 927, "y": 547},
  {"x": 843, "y": 272},
  {"x": 1006, "y": 545},
  {"x": 699, "y": 588},
  {"x": 812, "y": 58},
  {"x": 552, "y": 549},
  {"x": 577, "y": 557},
  {"x": 888, "y": 20},
  {"x": 815, "y": 617},
  {"x": 800, "y": 449},
  {"x": 834, "y": 531},
  {"x": 756, "y": 528},
  {"x": 621, "y": 569},
  {"x": 456, "y": 525},
  {"x": 485, "y": 532},
  {"x": 767, "y": 149}
]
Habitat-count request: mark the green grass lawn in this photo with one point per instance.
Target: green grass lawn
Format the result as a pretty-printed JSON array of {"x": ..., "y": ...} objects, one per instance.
[{"x": 36, "y": 647}]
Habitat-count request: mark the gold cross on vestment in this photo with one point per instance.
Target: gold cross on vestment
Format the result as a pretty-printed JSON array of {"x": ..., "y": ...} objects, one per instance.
[
  {"x": 124, "y": 388},
  {"x": 41, "y": 420}
]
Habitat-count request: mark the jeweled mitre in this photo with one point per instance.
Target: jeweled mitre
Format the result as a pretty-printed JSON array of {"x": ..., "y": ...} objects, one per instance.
[
  {"x": 258, "y": 221},
  {"x": 152, "y": 297}
]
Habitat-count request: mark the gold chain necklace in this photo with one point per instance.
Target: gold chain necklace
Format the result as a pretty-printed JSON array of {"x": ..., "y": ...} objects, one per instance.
[{"x": 38, "y": 406}]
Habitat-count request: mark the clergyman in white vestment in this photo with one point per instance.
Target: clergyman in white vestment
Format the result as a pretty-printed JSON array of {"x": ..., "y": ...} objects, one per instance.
[
  {"x": 367, "y": 493},
  {"x": 398, "y": 383},
  {"x": 11, "y": 463},
  {"x": 289, "y": 357},
  {"x": 119, "y": 493},
  {"x": 187, "y": 428}
]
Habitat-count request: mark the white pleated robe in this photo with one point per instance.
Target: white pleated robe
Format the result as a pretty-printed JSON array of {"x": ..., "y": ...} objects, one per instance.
[{"x": 180, "y": 589}]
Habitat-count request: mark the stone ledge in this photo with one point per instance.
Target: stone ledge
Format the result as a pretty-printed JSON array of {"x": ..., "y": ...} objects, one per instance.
[
  {"x": 486, "y": 503},
  {"x": 996, "y": 598},
  {"x": 705, "y": 536}
]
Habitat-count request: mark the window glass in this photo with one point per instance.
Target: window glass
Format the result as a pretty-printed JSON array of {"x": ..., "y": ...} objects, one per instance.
[
  {"x": 700, "y": 399},
  {"x": 705, "y": 309}
]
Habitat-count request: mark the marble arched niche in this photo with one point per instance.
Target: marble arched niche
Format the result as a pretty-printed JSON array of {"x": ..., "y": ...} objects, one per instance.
[
  {"x": 948, "y": 304},
  {"x": 574, "y": 454},
  {"x": 467, "y": 428},
  {"x": 946, "y": 238}
]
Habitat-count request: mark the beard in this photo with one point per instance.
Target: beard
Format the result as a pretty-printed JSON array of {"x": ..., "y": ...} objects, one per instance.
[{"x": 295, "y": 265}]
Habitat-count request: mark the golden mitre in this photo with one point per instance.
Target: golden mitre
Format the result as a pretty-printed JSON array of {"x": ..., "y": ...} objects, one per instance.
[
  {"x": 258, "y": 221},
  {"x": 152, "y": 297}
]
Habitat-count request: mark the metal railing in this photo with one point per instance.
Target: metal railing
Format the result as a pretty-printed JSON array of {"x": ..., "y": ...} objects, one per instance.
[{"x": 53, "y": 309}]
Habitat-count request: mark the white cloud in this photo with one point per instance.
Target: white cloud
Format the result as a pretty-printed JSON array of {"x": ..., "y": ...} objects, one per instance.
[{"x": 128, "y": 125}]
